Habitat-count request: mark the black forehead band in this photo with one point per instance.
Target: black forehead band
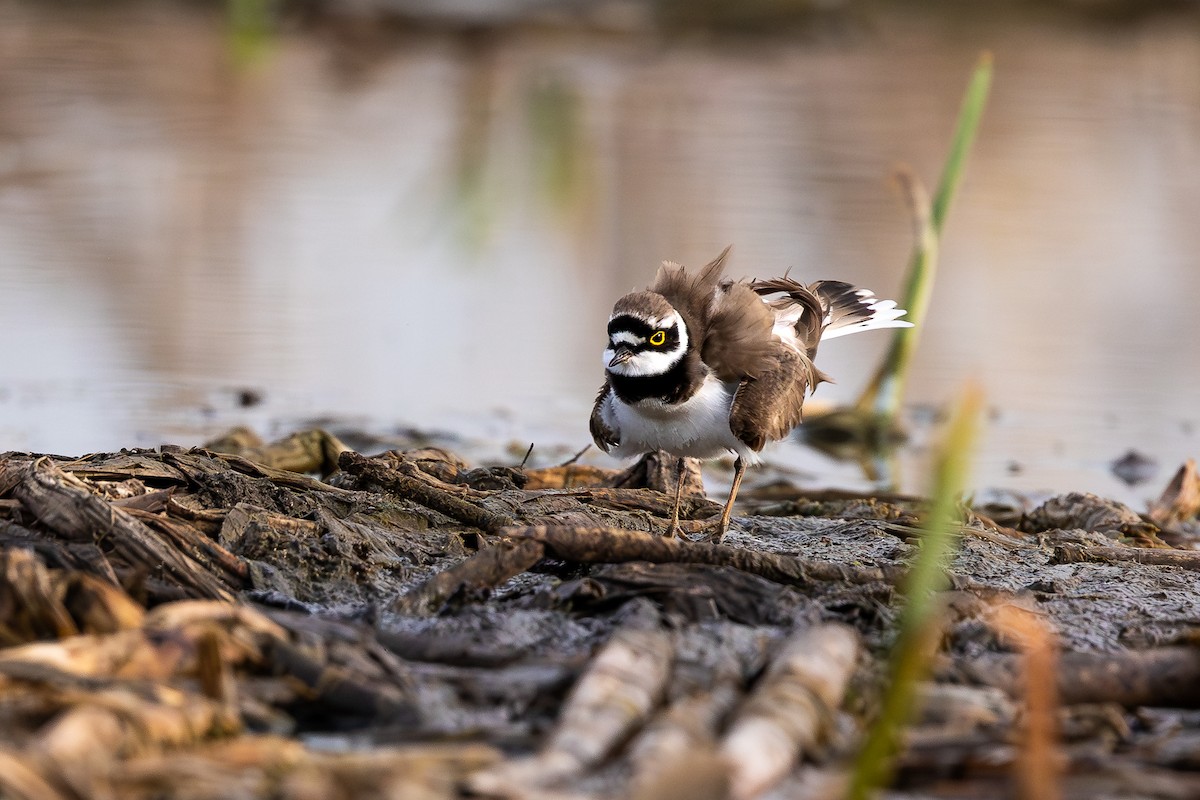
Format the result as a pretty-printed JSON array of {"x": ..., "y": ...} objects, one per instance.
[{"x": 630, "y": 323}]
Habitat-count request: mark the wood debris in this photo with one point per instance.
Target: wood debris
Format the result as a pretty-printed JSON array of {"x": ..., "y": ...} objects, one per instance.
[{"x": 204, "y": 624}]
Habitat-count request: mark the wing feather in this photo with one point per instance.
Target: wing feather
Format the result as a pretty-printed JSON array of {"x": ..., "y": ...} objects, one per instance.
[
  {"x": 690, "y": 293},
  {"x": 766, "y": 408},
  {"x": 738, "y": 342},
  {"x": 604, "y": 435}
]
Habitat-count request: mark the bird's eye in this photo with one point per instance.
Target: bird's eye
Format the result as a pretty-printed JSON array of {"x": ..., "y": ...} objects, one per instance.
[{"x": 658, "y": 338}]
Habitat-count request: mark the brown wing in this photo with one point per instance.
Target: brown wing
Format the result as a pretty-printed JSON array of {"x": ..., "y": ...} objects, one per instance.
[
  {"x": 690, "y": 293},
  {"x": 796, "y": 296},
  {"x": 730, "y": 324},
  {"x": 738, "y": 342},
  {"x": 766, "y": 408},
  {"x": 605, "y": 437}
]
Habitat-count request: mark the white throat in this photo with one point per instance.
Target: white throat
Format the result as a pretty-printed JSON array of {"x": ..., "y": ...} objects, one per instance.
[{"x": 649, "y": 362}]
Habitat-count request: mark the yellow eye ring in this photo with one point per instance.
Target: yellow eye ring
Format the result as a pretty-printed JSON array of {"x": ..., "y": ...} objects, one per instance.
[{"x": 658, "y": 338}]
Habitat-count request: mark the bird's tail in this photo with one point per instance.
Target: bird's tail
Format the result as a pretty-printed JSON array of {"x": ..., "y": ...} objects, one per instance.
[{"x": 849, "y": 309}]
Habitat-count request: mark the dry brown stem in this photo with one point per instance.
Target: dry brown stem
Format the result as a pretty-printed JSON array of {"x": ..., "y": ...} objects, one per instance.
[
  {"x": 613, "y": 545},
  {"x": 486, "y": 569},
  {"x": 375, "y": 472}
]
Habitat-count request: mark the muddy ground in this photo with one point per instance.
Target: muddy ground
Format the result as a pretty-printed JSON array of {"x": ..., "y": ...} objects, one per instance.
[{"x": 203, "y": 624}]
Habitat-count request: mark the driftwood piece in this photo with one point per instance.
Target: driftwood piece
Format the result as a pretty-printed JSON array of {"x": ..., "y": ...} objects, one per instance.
[
  {"x": 1180, "y": 500},
  {"x": 1075, "y": 554},
  {"x": 612, "y": 545},
  {"x": 30, "y": 607},
  {"x": 199, "y": 547},
  {"x": 375, "y": 472},
  {"x": 313, "y": 450},
  {"x": 625, "y": 500},
  {"x": 146, "y": 465},
  {"x": 570, "y": 476},
  {"x": 1165, "y": 676},
  {"x": 64, "y": 504},
  {"x": 37, "y": 603},
  {"x": 275, "y": 767},
  {"x": 486, "y": 569},
  {"x": 789, "y": 712},
  {"x": 676, "y": 754},
  {"x": 651, "y": 471},
  {"x": 18, "y": 779},
  {"x": 615, "y": 696},
  {"x": 199, "y": 463},
  {"x": 657, "y": 471}
]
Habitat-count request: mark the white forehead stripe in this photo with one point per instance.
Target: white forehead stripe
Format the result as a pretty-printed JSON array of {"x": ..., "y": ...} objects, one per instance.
[{"x": 625, "y": 337}]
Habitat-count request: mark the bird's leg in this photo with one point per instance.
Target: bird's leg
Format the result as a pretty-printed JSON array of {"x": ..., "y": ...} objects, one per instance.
[
  {"x": 739, "y": 469},
  {"x": 674, "y": 530}
]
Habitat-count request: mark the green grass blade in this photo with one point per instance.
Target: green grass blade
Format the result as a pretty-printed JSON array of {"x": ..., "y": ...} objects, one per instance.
[
  {"x": 250, "y": 27},
  {"x": 969, "y": 116},
  {"x": 920, "y": 621},
  {"x": 884, "y": 393}
]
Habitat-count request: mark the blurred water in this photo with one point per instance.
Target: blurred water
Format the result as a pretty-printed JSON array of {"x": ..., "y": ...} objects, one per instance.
[{"x": 429, "y": 228}]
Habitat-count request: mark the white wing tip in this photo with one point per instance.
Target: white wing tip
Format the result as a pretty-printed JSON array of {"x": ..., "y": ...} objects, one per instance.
[{"x": 875, "y": 323}]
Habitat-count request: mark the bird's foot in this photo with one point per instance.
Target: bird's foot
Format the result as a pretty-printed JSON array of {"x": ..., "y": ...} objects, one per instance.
[{"x": 673, "y": 532}]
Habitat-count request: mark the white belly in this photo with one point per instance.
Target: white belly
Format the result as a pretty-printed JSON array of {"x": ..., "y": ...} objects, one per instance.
[{"x": 698, "y": 428}]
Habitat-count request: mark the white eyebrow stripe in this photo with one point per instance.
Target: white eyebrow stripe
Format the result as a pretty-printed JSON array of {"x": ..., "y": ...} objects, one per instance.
[
  {"x": 665, "y": 322},
  {"x": 625, "y": 337}
]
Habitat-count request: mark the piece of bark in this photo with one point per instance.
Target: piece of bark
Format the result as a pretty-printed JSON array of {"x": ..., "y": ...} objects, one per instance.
[
  {"x": 1085, "y": 511},
  {"x": 199, "y": 548},
  {"x": 657, "y": 471},
  {"x": 1180, "y": 500},
  {"x": 20, "y": 781},
  {"x": 486, "y": 569},
  {"x": 613, "y": 698},
  {"x": 614, "y": 545},
  {"x": 64, "y": 504},
  {"x": 375, "y": 472},
  {"x": 1075, "y": 554},
  {"x": 675, "y": 756},
  {"x": 146, "y": 465},
  {"x": 436, "y": 462},
  {"x": 98, "y": 606},
  {"x": 314, "y": 450},
  {"x": 31, "y": 607},
  {"x": 789, "y": 711},
  {"x": 1165, "y": 676},
  {"x": 198, "y": 462},
  {"x": 570, "y": 476},
  {"x": 692, "y": 592}
]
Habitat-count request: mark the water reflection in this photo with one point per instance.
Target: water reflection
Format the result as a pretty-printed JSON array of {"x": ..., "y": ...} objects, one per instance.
[{"x": 430, "y": 231}]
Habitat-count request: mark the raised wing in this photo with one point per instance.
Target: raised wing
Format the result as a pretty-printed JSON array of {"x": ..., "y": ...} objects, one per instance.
[{"x": 766, "y": 408}]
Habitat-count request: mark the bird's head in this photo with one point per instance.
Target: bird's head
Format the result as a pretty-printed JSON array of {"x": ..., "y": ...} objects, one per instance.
[{"x": 646, "y": 336}]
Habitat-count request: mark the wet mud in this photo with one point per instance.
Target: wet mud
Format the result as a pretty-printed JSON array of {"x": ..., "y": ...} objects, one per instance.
[{"x": 298, "y": 620}]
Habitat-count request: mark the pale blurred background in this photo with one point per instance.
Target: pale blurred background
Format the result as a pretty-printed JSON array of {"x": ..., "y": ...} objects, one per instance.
[{"x": 417, "y": 214}]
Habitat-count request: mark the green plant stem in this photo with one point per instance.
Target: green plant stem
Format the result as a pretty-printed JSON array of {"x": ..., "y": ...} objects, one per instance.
[
  {"x": 885, "y": 392},
  {"x": 920, "y": 621}
]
